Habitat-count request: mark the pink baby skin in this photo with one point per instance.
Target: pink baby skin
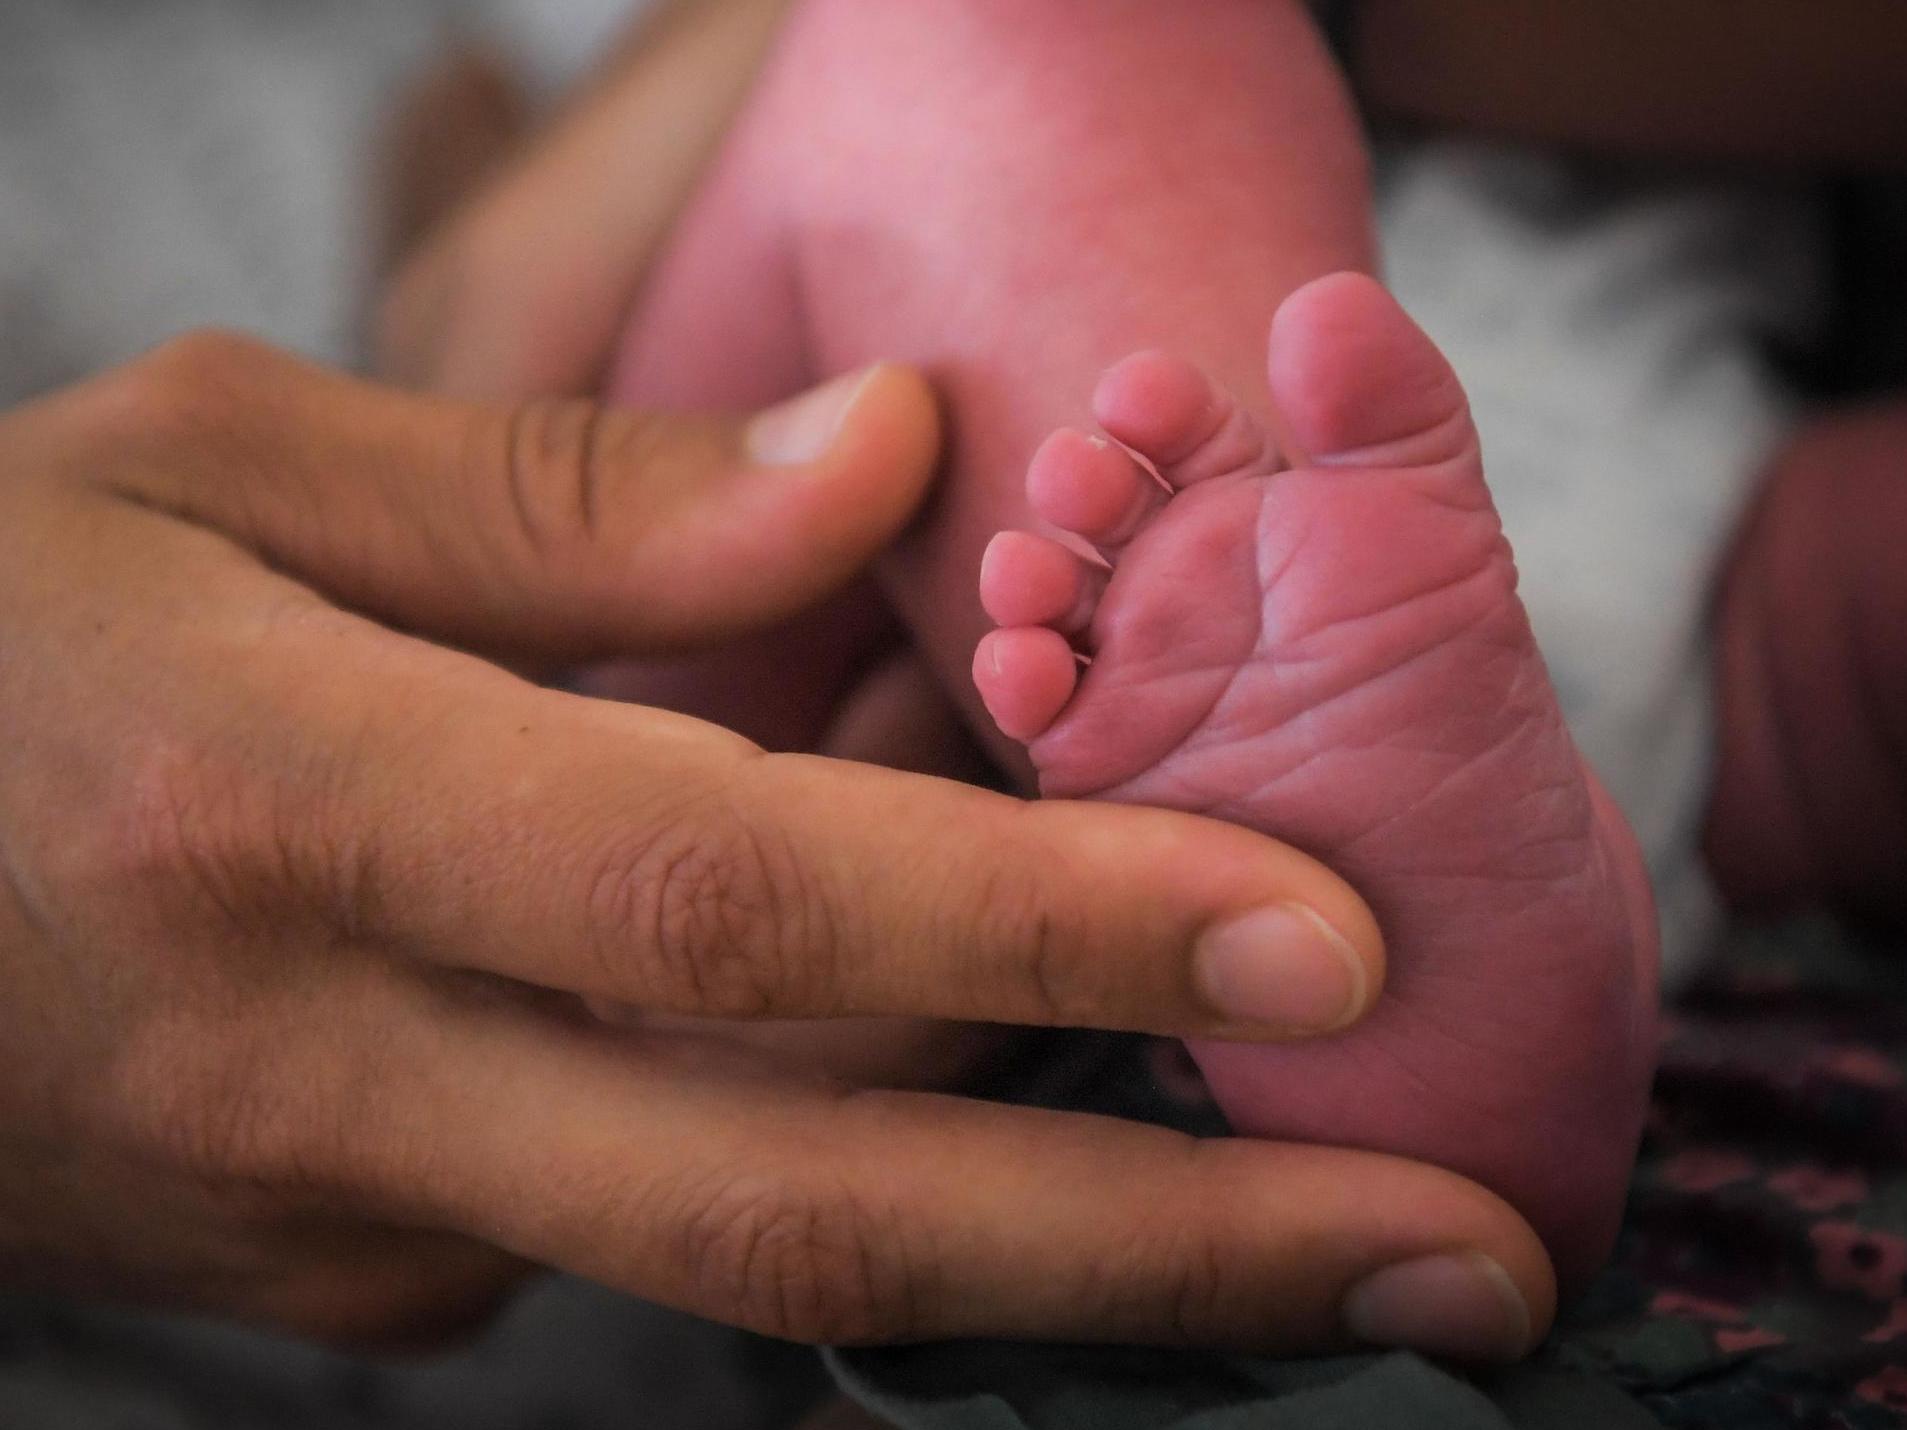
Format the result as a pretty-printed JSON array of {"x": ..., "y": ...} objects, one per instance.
[{"x": 1081, "y": 216}]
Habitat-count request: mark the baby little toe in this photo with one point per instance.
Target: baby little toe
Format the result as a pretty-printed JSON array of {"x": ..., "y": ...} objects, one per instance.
[
  {"x": 1025, "y": 677},
  {"x": 1029, "y": 580}
]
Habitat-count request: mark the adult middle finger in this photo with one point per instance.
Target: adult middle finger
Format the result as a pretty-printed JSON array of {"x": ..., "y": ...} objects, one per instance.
[{"x": 624, "y": 853}]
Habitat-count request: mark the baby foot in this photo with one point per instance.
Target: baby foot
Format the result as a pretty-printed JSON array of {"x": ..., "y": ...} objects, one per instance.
[{"x": 1334, "y": 654}]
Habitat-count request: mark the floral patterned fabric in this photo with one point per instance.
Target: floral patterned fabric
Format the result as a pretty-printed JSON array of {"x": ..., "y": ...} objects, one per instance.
[
  {"x": 1760, "y": 1283},
  {"x": 1762, "y": 1276}
]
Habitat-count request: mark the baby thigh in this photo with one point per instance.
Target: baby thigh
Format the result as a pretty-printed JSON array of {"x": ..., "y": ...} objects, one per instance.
[
  {"x": 717, "y": 328},
  {"x": 1810, "y": 793}
]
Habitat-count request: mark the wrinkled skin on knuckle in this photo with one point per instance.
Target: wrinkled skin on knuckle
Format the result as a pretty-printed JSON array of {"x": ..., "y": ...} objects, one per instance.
[
  {"x": 541, "y": 476},
  {"x": 206, "y": 824},
  {"x": 574, "y": 486},
  {"x": 200, "y": 892},
  {"x": 270, "y": 1107},
  {"x": 566, "y": 471},
  {"x": 196, "y": 1095},
  {"x": 201, "y": 392},
  {"x": 717, "y": 913},
  {"x": 1032, "y": 948},
  {"x": 1198, "y": 1285},
  {"x": 1206, "y": 1292},
  {"x": 202, "y": 842},
  {"x": 797, "y": 1261},
  {"x": 155, "y": 844},
  {"x": 1173, "y": 1279}
]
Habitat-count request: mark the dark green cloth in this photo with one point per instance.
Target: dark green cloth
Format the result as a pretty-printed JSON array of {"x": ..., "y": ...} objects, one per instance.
[
  {"x": 999, "y": 1387},
  {"x": 1760, "y": 1283}
]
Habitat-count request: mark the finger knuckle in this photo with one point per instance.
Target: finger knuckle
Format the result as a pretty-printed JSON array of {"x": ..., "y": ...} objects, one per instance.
[
  {"x": 198, "y": 388},
  {"x": 243, "y": 1090},
  {"x": 240, "y": 1132},
  {"x": 1195, "y": 1280},
  {"x": 798, "y": 1262},
  {"x": 195, "y": 836},
  {"x": 1034, "y": 953},
  {"x": 1048, "y": 976},
  {"x": 1195, "y": 1287},
  {"x": 179, "y": 874},
  {"x": 191, "y": 837},
  {"x": 207, "y": 1106},
  {"x": 719, "y": 911},
  {"x": 565, "y": 471},
  {"x": 207, "y": 358},
  {"x": 1173, "y": 1278},
  {"x": 176, "y": 831},
  {"x": 550, "y": 474}
]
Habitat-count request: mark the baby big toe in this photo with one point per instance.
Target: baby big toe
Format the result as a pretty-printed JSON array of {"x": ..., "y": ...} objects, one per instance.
[
  {"x": 1359, "y": 383},
  {"x": 1028, "y": 580},
  {"x": 1171, "y": 413},
  {"x": 1025, "y": 676}
]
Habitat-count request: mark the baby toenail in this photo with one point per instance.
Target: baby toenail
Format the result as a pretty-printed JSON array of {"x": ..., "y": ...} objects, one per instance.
[
  {"x": 1461, "y": 1304},
  {"x": 1282, "y": 967}
]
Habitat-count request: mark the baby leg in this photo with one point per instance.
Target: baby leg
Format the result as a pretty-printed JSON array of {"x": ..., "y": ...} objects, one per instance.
[
  {"x": 1010, "y": 193},
  {"x": 720, "y": 330},
  {"x": 1016, "y": 193}
]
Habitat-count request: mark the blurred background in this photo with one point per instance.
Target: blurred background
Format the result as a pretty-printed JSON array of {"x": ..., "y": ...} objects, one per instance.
[
  {"x": 171, "y": 163},
  {"x": 166, "y": 164}
]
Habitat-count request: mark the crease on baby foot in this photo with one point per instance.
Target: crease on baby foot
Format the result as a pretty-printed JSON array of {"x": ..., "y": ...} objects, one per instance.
[{"x": 1414, "y": 453}]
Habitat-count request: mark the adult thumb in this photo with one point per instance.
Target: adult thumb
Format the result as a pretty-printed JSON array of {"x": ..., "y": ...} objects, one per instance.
[{"x": 549, "y": 528}]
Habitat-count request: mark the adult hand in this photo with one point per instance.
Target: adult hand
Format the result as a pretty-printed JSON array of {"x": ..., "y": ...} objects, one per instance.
[
  {"x": 522, "y": 286},
  {"x": 518, "y": 260},
  {"x": 296, "y": 901}
]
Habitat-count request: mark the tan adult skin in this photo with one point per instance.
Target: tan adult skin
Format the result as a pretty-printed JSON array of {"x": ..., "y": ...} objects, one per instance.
[{"x": 301, "y": 897}]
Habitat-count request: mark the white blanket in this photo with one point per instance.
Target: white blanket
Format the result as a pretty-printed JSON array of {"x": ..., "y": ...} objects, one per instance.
[{"x": 1611, "y": 329}]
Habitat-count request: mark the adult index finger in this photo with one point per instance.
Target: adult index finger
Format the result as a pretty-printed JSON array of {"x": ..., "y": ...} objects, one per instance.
[{"x": 624, "y": 853}]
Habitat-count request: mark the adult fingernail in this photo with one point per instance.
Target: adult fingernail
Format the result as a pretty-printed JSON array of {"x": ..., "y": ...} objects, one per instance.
[
  {"x": 1282, "y": 967},
  {"x": 802, "y": 429},
  {"x": 1461, "y": 1305}
]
